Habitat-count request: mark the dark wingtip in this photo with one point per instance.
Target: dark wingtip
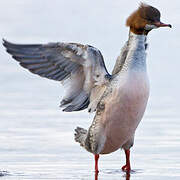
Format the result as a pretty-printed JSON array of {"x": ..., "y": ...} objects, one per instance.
[{"x": 4, "y": 41}]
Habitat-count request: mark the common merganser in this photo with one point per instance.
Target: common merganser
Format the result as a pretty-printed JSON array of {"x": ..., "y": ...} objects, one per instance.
[{"x": 119, "y": 100}]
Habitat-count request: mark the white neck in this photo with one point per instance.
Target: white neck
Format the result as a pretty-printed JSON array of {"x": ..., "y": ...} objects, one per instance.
[{"x": 136, "y": 56}]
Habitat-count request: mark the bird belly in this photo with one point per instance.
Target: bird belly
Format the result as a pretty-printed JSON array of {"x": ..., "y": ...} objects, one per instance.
[{"x": 123, "y": 111}]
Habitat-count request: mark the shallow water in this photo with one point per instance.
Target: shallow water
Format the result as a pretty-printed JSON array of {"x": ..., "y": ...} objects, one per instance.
[{"x": 37, "y": 138}]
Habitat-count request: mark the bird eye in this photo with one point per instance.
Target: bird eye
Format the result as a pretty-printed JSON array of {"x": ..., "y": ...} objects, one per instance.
[
  {"x": 97, "y": 75},
  {"x": 150, "y": 21}
]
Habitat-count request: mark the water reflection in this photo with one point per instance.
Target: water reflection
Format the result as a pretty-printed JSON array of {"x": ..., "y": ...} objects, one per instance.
[
  {"x": 96, "y": 176},
  {"x": 127, "y": 175}
]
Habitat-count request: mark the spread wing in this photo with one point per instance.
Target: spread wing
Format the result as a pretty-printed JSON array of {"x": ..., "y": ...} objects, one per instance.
[
  {"x": 80, "y": 68},
  {"x": 121, "y": 59}
]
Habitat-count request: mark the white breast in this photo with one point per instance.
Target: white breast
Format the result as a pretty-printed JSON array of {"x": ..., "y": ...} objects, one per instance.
[{"x": 124, "y": 110}]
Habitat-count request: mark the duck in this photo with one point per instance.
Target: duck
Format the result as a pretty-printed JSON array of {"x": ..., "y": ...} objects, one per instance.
[{"x": 118, "y": 100}]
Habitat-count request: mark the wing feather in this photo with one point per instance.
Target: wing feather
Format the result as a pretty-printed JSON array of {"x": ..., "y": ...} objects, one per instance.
[
  {"x": 82, "y": 66},
  {"x": 121, "y": 59}
]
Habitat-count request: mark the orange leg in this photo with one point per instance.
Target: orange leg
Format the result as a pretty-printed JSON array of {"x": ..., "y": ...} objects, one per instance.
[
  {"x": 96, "y": 156},
  {"x": 127, "y": 167}
]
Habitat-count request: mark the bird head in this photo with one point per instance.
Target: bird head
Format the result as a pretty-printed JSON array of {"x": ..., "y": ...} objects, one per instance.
[{"x": 144, "y": 19}]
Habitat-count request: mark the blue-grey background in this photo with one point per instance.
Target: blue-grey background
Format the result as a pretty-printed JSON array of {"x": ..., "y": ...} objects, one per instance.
[{"x": 36, "y": 138}]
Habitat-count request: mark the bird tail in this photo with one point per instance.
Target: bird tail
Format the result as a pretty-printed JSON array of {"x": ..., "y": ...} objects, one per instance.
[{"x": 80, "y": 135}]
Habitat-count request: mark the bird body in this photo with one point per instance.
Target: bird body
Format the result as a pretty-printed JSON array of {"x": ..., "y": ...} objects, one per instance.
[
  {"x": 124, "y": 110},
  {"x": 123, "y": 103}
]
